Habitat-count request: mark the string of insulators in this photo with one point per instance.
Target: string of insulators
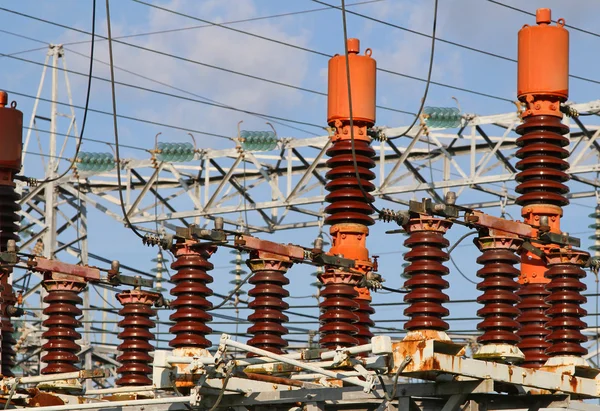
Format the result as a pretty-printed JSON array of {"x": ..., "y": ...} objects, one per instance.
[
  {"x": 158, "y": 271},
  {"x": 238, "y": 272},
  {"x": 317, "y": 283},
  {"x": 596, "y": 236},
  {"x": 442, "y": 117},
  {"x": 175, "y": 152},
  {"x": 95, "y": 161},
  {"x": 258, "y": 140}
]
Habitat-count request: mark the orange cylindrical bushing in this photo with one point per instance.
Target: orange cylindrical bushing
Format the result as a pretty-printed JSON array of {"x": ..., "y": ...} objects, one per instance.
[
  {"x": 363, "y": 84},
  {"x": 11, "y": 134},
  {"x": 543, "y": 63}
]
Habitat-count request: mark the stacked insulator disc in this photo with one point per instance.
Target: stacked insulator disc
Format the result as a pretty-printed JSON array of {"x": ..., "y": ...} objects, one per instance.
[
  {"x": 566, "y": 306},
  {"x": 347, "y": 202},
  {"x": 191, "y": 292},
  {"x": 268, "y": 305},
  {"x": 7, "y": 339},
  {"x": 62, "y": 311},
  {"x": 338, "y": 316},
  {"x": 442, "y": 117},
  {"x": 8, "y": 231},
  {"x": 499, "y": 287},
  {"x": 317, "y": 283},
  {"x": 258, "y": 140},
  {"x": 533, "y": 321},
  {"x": 136, "y": 337},
  {"x": 95, "y": 161},
  {"x": 364, "y": 323},
  {"x": 596, "y": 236},
  {"x": 238, "y": 272},
  {"x": 175, "y": 152},
  {"x": 542, "y": 164},
  {"x": 426, "y": 270},
  {"x": 158, "y": 271}
]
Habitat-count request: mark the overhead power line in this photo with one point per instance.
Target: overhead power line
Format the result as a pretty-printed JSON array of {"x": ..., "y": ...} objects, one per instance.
[
  {"x": 282, "y": 84},
  {"x": 269, "y": 117},
  {"x": 453, "y": 43},
  {"x": 316, "y": 52},
  {"x": 133, "y": 86},
  {"x": 137, "y": 119}
]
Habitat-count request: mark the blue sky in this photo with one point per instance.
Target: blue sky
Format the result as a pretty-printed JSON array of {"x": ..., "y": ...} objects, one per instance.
[{"x": 475, "y": 23}]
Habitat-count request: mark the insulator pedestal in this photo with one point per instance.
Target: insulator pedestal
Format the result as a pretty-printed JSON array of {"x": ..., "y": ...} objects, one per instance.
[
  {"x": 62, "y": 311},
  {"x": 268, "y": 305},
  {"x": 499, "y": 341},
  {"x": 136, "y": 336},
  {"x": 190, "y": 293},
  {"x": 566, "y": 303},
  {"x": 426, "y": 271}
]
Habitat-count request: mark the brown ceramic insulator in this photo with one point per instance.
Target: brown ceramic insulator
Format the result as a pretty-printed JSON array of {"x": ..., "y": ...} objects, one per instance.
[
  {"x": 347, "y": 202},
  {"x": 542, "y": 164},
  {"x": 498, "y": 298},
  {"x": 533, "y": 320},
  {"x": 190, "y": 302},
  {"x": 425, "y": 280},
  {"x": 136, "y": 336},
  {"x": 566, "y": 310},
  {"x": 364, "y": 322},
  {"x": 268, "y": 305},
  {"x": 62, "y": 311},
  {"x": 9, "y": 219},
  {"x": 7, "y": 340},
  {"x": 338, "y": 316}
]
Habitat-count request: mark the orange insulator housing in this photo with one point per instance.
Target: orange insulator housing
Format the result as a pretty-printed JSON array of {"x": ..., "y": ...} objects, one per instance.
[
  {"x": 543, "y": 62},
  {"x": 363, "y": 84},
  {"x": 11, "y": 134}
]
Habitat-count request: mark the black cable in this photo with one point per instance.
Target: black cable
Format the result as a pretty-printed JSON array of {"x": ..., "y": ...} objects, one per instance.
[
  {"x": 352, "y": 146},
  {"x": 429, "y": 72},
  {"x": 255, "y": 77},
  {"x": 231, "y": 293},
  {"x": 222, "y": 392},
  {"x": 470, "y": 233},
  {"x": 460, "y": 271},
  {"x": 115, "y": 125},
  {"x": 87, "y": 103},
  {"x": 394, "y": 290}
]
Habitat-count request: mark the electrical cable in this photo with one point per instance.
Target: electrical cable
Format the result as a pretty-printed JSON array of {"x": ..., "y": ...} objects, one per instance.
[
  {"x": 231, "y": 293},
  {"x": 352, "y": 145},
  {"x": 429, "y": 72},
  {"x": 460, "y": 271},
  {"x": 115, "y": 125},
  {"x": 470, "y": 233},
  {"x": 222, "y": 392},
  {"x": 394, "y": 290},
  {"x": 87, "y": 103},
  {"x": 180, "y": 58}
]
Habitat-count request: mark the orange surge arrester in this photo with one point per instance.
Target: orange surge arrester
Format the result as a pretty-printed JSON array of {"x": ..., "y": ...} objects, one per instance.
[
  {"x": 11, "y": 135},
  {"x": 345, "y": 310},
  {"x": 543, "y": 84}
]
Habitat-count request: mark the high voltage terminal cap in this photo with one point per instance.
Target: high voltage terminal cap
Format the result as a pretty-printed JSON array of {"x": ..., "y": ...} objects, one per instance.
[{"x": 543, "y": 60}]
